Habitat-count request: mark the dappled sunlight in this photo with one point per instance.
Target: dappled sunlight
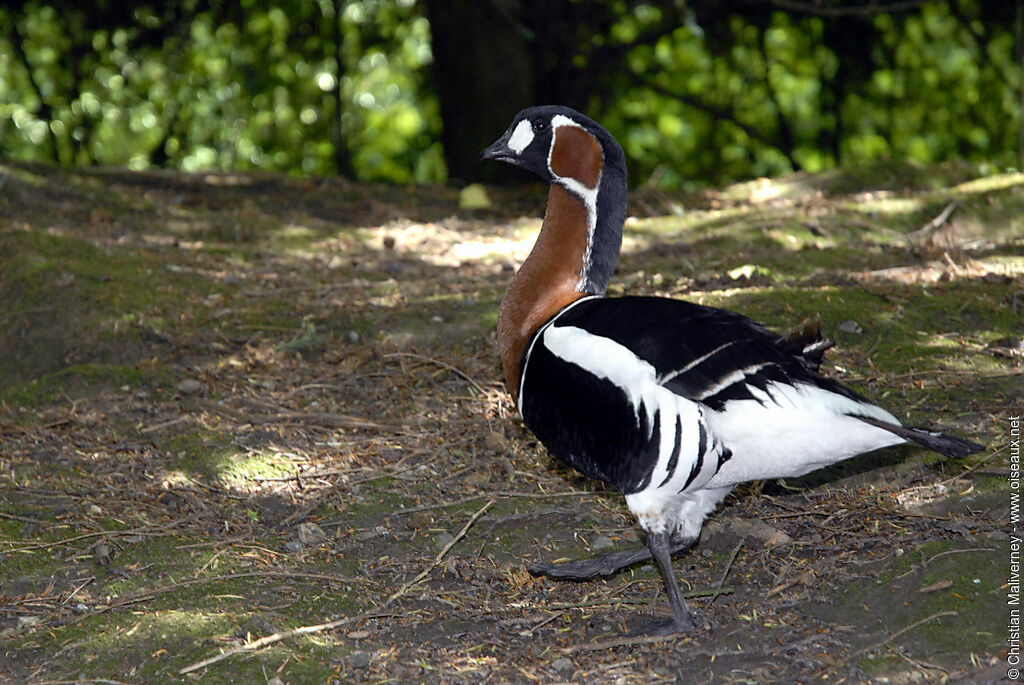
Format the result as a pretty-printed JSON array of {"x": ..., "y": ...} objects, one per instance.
[
  {"x": 242, "y": 472},
  {"x": 168, "y": 629},
  {"x": 1004, "y": 269},
  {"x": 884, "y": 202},
  {"x": 915, "y": 498},
  {"x": 253, "y": 426},
  {"x": 987, "y": 184},
  {"x": 453, "y": 242},
  {"x": 296, "y": 232},
  {"x": 692, "y": 220},
  {"x": 175, "y": 478}
]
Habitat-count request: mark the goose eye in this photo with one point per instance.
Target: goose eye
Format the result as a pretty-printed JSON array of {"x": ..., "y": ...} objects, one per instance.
[{"x": 540, "y": 125}]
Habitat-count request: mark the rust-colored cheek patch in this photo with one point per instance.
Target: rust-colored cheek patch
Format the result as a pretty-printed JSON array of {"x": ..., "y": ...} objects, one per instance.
[{"x": 576, "y": 154}]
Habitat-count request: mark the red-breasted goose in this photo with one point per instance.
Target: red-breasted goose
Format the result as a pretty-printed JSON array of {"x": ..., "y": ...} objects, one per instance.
[{"x": 672, "y": 402}]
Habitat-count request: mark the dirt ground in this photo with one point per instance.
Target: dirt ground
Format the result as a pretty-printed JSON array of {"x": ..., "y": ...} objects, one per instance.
[{"x": 252, "y": 430}]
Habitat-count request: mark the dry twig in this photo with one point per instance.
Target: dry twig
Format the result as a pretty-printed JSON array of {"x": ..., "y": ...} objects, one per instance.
[
  {"x": 134, "y": 531},
  {"x": 629, "y": 641},
  {"x": 440, "y": 555},
  {"x": 330, "y": 625},
  {"x": 935, "y": 223},
  {"x": 725, "y": 573},
  {"x": 882, "y": 643},
  {"x": 443, "y": 365},
  {"x": 277, "y": 637}
]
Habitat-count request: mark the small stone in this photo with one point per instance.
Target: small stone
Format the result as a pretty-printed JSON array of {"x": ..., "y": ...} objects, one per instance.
[
  {"x": 293, "y": 546},
  {"x": 958, "y": 527},
  {"x": 477, "y": 479},
  {"x": 850, "y": 326},
  {"x": 418, "y": 520},
  {"x": 189, "y": 386},
  {"x": 95, "y": 510},
  {"x": 260, "y": 624},
  {"x": 103, "y": 553},
  {"x": 311, "y": 534},
  {"x": 601, "y": 542},
  {"x": 359, "y": 660},
  {"x": 354, "y": 337},
  {"x": 752, "y": 529},
  {"x": 90, "y": 418},
  {"x": 358, "y": 634},
  {"x": 562, "y": 664},
  {"x": 496, "y": 441},
  {"x": 442, "y": 539}
]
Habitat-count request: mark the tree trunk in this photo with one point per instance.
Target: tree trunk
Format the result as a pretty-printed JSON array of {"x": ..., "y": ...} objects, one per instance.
[
  {"x": 342, "y": 157},
  {"x": 483, "y": 74}
]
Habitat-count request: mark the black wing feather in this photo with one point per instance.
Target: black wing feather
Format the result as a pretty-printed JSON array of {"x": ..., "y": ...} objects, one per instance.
[{"x": 699, "y": 351}]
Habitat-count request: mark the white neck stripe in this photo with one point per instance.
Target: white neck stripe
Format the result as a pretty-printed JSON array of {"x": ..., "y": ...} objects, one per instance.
[{"x": 586, "y": 194}]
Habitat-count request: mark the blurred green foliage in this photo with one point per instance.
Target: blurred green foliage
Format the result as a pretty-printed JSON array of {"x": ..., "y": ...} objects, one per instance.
[
  {"x": 250, "y": 87},
  {"x": 257, "y": 85},
  {"x": 931, "y": 85}
]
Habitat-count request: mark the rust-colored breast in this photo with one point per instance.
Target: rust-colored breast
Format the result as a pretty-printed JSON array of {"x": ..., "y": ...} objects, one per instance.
[{"x": 546, "y": 282}]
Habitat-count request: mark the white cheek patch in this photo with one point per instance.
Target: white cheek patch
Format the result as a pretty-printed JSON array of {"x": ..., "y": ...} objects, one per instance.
[{"x": 521, "y": 137}]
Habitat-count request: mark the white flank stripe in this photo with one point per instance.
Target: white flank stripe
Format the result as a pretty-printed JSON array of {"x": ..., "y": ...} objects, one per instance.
[
  {"x": 734, "y": 377},
  {"x": 609, "y": 360},
  {"x": 606, "y": 359},
  {"x": 684, "y": 513},
  {"x": 678, "y": 372}
]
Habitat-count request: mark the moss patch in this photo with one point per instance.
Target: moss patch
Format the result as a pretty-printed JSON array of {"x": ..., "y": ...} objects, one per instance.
[{"x": 937, "y": 577}]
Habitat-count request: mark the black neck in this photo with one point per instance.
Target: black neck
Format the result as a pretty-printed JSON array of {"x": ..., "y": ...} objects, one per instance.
[{"x": 611, "y": 215}]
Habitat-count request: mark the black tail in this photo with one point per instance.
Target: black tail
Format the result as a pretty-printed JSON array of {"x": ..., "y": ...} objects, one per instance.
[{"x": 948, "y": 445}]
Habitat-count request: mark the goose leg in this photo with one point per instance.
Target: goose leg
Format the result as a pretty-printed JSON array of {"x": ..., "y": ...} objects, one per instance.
[{"x": 683, "y": 620}]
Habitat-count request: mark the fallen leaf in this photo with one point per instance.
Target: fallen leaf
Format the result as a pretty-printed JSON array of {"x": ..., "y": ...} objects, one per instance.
[{"x": 936, "y": 586}]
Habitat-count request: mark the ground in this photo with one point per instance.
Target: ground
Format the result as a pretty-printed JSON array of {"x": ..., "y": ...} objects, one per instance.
[{"x": 252, "y": 430}]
